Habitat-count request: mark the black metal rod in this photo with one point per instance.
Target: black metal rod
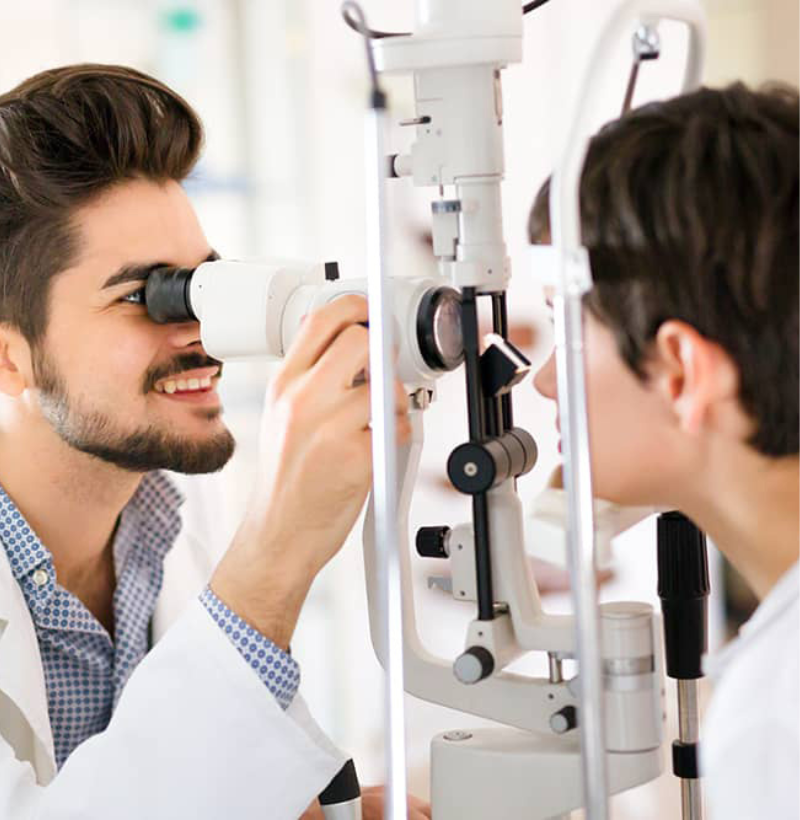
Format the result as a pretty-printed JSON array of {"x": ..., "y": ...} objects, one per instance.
[
  {"x": 472, "y": 365},
  {"x": 477, "y": 434},
  {"x": 483, "y": 560},
  {"x": 631, "y": 87},
  {"x": 493, "y": 416},
  {"x": 500, "y": 325}
]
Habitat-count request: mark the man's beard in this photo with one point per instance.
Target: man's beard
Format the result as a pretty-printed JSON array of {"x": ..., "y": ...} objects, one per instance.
[{"x": 139, "y": 451}]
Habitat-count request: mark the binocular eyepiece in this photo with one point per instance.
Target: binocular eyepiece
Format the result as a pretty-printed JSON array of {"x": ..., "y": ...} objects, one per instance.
[{"x": 253, "y": 310}]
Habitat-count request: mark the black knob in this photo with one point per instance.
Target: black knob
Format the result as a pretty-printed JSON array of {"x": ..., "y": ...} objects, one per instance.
[
  {"x": 475, "y": 664},
  {"x": 432, "y": 542},
  {"x": 683, "y": 587},
  {"x": 471, "y": 468},
  {"x": 475, "y": 468},
  {"x": 564, "y": 719}
]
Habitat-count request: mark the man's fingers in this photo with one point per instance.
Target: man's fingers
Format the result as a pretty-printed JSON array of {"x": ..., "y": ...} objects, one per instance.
[
  {"x": 347, "y": 357},
  {"x": 353, "y": 412},
  {"x": 318, "y": 331}
]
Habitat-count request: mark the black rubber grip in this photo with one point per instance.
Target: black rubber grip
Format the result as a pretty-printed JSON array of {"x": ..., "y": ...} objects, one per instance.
[
  {"x": 683, "y": 587},
  {"x": 685, "y": 760}
]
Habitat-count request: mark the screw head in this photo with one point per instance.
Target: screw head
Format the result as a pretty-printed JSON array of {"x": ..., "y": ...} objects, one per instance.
[
  {"x": 457, "y": 735},
  {"x": 471, "y": 469}
]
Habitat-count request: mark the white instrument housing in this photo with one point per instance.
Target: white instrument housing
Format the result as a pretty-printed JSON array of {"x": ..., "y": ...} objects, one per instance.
[{"x": 253, "y": 310}]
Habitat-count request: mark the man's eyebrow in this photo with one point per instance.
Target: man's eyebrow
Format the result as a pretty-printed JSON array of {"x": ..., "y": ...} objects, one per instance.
[{"x": 139, "y": 273}]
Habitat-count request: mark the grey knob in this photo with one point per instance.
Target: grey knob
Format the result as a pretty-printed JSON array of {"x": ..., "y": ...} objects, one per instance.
[
  {"x": 475, "y": 664},
  {"x": 564, "y": 719}
]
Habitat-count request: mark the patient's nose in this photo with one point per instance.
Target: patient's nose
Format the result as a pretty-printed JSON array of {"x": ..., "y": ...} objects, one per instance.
[{"x": 545, "y": 379}]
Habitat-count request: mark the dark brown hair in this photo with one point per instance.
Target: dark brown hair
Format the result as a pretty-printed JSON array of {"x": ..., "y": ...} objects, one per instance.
[
  {"x": 66, "y": 136},
  {"x": 689, "y": 210}
]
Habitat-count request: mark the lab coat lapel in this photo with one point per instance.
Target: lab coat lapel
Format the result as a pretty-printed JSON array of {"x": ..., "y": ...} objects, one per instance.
[{"x": 21, "y": 672}]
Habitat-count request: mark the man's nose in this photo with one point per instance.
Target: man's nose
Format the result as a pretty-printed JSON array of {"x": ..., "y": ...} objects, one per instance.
[
  {"x": 183, "y": 334},
  {"x": 545, "y": 380}
]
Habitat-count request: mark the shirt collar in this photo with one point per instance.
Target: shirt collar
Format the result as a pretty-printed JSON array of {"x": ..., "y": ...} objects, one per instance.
[
  {"x": 25, "y": 550},
  {"x": 155, "y": 504},
  {"x": 782, "y": 595},
  {"x": 778, "y": 600},
  {"x": 154, "y": 507}
]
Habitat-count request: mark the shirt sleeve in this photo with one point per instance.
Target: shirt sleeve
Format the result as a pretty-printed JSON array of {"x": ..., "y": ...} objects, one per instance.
[{"x": 278, "y": 671}]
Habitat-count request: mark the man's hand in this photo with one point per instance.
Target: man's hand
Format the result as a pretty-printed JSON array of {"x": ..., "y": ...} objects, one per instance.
[
  {"x": 315, "y": 470},
  {"x": 372, "y": 806}
]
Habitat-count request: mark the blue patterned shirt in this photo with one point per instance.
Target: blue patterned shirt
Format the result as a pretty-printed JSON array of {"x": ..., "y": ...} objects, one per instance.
[{"x": 85, "y": 669}]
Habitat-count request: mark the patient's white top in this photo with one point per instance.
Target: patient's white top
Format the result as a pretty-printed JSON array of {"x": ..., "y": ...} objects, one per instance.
[{"x": 750, "y": 745}]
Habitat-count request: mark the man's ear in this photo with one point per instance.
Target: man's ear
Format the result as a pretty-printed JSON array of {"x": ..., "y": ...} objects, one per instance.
[
  {"x": 15, "y": 362},
  {"x": 694, "y": 374}
]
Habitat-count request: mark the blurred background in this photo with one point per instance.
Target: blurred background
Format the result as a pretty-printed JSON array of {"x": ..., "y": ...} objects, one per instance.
[{"x": 281, "y": 88}]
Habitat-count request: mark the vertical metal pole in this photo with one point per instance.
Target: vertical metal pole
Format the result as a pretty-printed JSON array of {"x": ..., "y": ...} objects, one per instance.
[
  {"x": 384, "y": 461},
  {"x": 578, "y": 483},
  {"x": 683, "y": 587},
  {"x": 689, "y": 733}
]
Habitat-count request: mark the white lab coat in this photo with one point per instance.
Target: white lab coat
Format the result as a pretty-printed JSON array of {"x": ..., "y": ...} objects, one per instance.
[{"x": 194, "y": 735}]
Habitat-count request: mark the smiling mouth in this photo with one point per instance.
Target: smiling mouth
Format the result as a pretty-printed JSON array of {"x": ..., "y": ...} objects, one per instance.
[{"x": 190, "y": 382}]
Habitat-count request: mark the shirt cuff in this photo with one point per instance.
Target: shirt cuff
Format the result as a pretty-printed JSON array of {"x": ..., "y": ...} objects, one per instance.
[{"x": 278, "y": 671}]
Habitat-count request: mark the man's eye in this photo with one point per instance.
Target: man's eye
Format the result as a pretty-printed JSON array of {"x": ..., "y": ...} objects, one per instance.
[{"x": 135, "y": 298}]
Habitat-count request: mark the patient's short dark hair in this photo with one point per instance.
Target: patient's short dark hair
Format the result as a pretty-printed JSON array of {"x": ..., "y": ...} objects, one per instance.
[
  {"x": 689, "y": 210},
  {"x": 66, "y": 136}
]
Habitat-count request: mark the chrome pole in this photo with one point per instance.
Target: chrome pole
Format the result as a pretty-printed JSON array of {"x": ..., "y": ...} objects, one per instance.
[
  {"x": 580, "y": 537},
  {"x": 689, "y": 733},
  {"x": 384, "y": 449}
]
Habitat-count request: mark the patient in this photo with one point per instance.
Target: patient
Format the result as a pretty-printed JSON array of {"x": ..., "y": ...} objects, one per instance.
[{"x": 690, "y": 214}]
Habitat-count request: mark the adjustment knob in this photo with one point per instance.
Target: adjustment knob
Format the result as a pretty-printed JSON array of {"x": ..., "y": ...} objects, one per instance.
[
  {"x": 475, "y": 664},
  {"x": 683, "y": 587},
  {"x": 432, "y": 542},
  {"x": 471, "y": 468},
  {"x": 564, "y": 719}
]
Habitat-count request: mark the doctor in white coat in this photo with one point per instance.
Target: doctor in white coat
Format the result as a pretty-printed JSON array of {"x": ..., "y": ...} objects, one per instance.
[{"x": 95, "y": 400}]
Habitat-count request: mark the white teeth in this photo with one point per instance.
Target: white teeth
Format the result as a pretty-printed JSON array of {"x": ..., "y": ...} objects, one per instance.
[{"x": 184, "y": 385}]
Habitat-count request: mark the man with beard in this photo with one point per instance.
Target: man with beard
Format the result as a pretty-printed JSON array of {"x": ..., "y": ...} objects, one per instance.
[{"x": 95, "y": 401}]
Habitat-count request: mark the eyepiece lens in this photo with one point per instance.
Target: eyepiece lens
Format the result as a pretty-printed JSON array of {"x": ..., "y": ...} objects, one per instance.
[{"x": 167, "y": 295}]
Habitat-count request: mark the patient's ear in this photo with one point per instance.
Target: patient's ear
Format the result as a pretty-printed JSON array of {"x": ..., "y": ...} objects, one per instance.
[
  {"x": 16, "y": 372},
  {"x": 695, "y": 376}
]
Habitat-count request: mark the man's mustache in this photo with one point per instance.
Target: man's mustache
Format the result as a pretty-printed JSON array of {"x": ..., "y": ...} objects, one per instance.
[{"x": 180, "y": 364}]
